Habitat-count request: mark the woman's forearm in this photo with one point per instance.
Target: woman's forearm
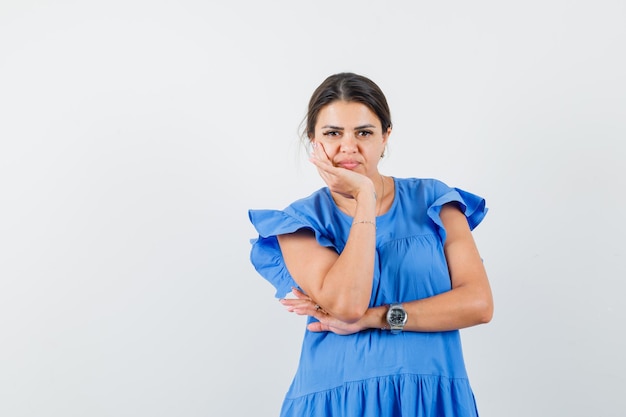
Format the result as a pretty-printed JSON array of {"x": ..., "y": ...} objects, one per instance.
[
  {"x": 455, "y": 309},
  {"x": 346, "y": 289}
]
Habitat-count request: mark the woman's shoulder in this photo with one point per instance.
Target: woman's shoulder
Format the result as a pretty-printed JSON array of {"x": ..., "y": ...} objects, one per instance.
[
  {"x": 304, "y": 211},
  {"x": 432, "y": 194},
  {"x": 310, "y": 204}
]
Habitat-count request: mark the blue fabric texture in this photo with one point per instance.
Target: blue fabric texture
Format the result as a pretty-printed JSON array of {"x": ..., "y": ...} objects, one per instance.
[{"x": 374, "y": 373}]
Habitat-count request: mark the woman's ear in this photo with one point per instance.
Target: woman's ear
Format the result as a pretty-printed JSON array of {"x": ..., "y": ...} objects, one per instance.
[{"x": 386, "y": 135}]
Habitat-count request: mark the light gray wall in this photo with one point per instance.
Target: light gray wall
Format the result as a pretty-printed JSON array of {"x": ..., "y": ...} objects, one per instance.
[{"x": 134, "y": 136}]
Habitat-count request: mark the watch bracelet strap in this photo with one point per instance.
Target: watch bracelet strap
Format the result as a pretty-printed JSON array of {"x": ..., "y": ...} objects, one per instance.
[{"x": 387, "y": 326}]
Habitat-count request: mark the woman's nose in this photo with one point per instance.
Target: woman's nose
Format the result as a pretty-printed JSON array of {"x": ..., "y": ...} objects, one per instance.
[{"x": 348, "y": 143}]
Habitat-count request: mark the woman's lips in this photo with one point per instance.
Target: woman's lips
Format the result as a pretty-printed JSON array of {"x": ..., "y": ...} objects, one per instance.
[{"x": 348, "y": 164}]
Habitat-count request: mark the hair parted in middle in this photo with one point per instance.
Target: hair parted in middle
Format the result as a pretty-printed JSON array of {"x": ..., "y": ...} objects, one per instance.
[{"x": 350, "y": 87}]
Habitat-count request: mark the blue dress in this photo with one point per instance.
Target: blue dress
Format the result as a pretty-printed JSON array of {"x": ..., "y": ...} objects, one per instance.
[{"x": 375, "y": 373}]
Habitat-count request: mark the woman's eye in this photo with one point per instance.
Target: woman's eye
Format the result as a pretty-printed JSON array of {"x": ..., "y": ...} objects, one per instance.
[
  {"x": 365, "y": 133},
  {"x": 331, "y": 133}
]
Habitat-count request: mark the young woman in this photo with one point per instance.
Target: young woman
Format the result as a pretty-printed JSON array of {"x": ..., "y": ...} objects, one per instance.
[{"x": 385, "y": 268}]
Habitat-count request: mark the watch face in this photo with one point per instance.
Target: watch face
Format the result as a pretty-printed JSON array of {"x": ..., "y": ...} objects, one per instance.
[{"x": 396, "y": 316}]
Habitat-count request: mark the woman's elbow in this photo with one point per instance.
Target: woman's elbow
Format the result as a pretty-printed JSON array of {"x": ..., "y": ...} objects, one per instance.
[
  {"x": 484, "y": 311},
  {"x": 348, "y": 308},
  {"x": 351, "y": 315}
]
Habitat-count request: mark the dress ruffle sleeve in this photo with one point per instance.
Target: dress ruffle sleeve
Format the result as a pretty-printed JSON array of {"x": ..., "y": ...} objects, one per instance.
[
  {"x": 470, "y": 204},
  {"x": 266, "y": 255}
]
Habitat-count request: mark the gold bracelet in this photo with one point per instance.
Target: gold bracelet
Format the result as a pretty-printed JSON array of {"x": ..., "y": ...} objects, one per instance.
[{"x": 364, "y": 221}]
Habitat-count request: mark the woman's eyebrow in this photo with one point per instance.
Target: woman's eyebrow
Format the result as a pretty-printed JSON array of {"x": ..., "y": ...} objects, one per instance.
[{"x": 366, "y": 126}]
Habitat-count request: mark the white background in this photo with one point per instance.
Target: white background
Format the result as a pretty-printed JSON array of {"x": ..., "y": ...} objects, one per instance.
[{"x": 135, "y": 135}]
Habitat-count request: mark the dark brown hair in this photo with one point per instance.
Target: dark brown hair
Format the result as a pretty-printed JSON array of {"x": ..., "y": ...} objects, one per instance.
[{"x": 347, "y": 86}]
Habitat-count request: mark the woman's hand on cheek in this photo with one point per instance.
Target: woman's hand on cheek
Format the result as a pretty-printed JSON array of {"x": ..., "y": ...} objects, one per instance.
[
  {"x": 319, "y": 157},
  {"x": 339, "y": 180}
]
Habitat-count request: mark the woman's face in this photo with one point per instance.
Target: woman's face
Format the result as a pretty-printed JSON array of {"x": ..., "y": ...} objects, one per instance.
[{"x": 352, "y": 136}]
